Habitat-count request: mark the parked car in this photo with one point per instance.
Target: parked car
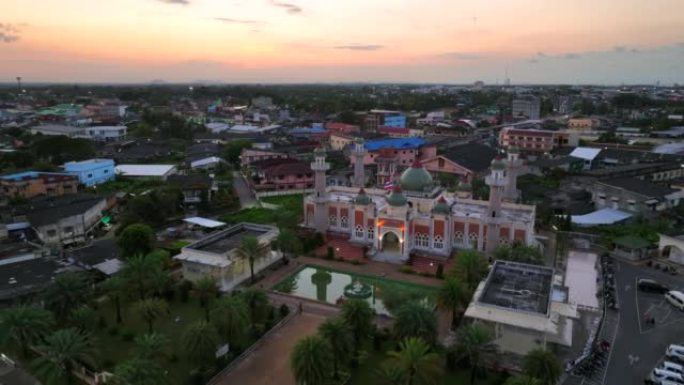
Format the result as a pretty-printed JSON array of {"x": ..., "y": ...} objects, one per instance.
[
  {"x": 671, "y": 367},
  {"x": 652, "y": 286},
  {"x": 658, "y": 376},
  {"x": 675, "y": 353},
  {"x": 675, "y": 298}
]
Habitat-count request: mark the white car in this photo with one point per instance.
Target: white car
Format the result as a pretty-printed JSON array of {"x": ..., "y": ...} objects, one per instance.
[
  {"x": 675, "y": 352},
  {"x": 671, "y": 367},
  {"x": 675, "y": 298},
  {"x": 658, "y": 376}
]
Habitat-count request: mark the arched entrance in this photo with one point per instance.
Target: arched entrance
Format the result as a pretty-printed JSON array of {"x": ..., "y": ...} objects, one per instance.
[{"x": 390, "y": 242}]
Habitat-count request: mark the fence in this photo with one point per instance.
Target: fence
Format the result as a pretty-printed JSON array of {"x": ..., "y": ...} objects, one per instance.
[{"x": 263, "y": 194}]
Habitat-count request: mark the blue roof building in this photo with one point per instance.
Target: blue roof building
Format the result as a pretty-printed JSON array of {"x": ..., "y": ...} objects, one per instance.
[
  {"x": 92, "y": 171},
  {"x": 395, "y": 143}
]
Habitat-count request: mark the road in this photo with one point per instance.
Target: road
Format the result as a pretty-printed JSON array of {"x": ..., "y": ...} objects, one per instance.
[
  {"x": 638, "y": 347},
  {"x": 245, "y": 194}
]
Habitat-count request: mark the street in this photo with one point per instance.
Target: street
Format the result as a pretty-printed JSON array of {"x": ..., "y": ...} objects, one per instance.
[{"x": 245, "y": 194}]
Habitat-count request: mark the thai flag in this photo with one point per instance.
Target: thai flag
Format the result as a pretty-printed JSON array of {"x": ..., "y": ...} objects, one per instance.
[{"x": 389, "y": 185}]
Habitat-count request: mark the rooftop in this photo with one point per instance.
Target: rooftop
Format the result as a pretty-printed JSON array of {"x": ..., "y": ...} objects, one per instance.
[
  {"x": 473, "y": 156},
  {"x": 87, "y": 164},
  {"x": 144, "y": 169},
  {"x": 519, "y": 287},
  {"x": 639, "y": 186},
  {"x": 225, "y": 241},
  {"x": 586, "y": 153},
  {"x": 398, "y": 143}
]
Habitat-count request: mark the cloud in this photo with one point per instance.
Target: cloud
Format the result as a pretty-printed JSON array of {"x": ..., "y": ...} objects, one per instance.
[
  {"x": 181, "y": 2},
  {"x": 461, "y": 55},
  {"x": 290, "y": 8},
  {"x": 361, "y": 47},
  {"x": 228, "y": 20},
  {"x": 9, "y": 33}
]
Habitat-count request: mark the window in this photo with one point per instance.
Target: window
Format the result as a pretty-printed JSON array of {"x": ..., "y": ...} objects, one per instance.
[
  {"x": 371, "y": 232},
  {"x": 68, "y": 229},
  {"x": 359, "y": 232},
  {"x": 51, "y": 233},
  {"x": 458, "y": 236},
  {"x": 421, "y": 240},
  {"x": 333, "y": 220},
  {"x": 344, "y": 222},
  {"x": 106, "y": 171},
  {"x": 441, "y": 163},
  {"x": 90, "y": 175},
  {"x": 438, "y": 242}
]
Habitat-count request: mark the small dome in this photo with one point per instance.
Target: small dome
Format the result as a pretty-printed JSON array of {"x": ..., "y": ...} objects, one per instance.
[
  {"x": 513, "y": 150},
  {"x": 396, "y": 199},
  {"x": 498, "y": 164},
  {"x": 319, "y": 151},
  {"x": 358, "y": 140},
  {"x": 442, "y": 207},
  {"x": 362, "y": 198},
  {"x": 464, "y": 186},
  {"x": 415, "y": 178}
]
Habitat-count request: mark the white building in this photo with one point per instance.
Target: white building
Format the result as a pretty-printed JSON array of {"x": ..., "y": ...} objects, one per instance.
[
  {"x": 107, "y": 133},
  {"x": 151, "y": 171}
]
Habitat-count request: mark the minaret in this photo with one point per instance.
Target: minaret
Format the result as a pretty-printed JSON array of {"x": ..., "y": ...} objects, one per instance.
[
  {"x": 513, "y": 167},
  {"x": 359, "y": 155},
  {"x": 497, "y": 183},
  {"x": 319, "y": 166}
]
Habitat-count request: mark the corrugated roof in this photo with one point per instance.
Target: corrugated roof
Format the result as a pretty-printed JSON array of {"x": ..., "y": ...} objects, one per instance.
[
  {"x": 144, "y": 169},
  {"x": 397, "y": 143},
  {"x": 586, "y": 153},
  {"x": 606, "y": 216}
]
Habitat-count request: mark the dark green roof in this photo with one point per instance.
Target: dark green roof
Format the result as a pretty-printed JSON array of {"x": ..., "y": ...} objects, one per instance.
[
  {"x": 397, "y": 199},
  {"x": 362, "y": 198},
  {"x": 415, "y": 178},
  {"x": 632, "y": 242},
  {"x": 498, "y": 164},
  {"x": 442, "y": 207}
]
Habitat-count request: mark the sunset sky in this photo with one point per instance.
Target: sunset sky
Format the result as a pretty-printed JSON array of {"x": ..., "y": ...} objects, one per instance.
[{"x": 452, "y": 41}]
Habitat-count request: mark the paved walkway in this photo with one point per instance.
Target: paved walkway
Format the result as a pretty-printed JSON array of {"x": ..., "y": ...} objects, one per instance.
[{"x": 243, "y": 191}]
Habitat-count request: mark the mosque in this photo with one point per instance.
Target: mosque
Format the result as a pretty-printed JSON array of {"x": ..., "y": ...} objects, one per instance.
[{"x": 418, "y": 217}]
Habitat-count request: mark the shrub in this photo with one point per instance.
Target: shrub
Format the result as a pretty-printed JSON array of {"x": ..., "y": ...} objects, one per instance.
[
  {"x": 330, "y": 254},
  {"x": 184, "y": 289},
  {"x": 112, "y": 331},
  {"x": 406, "y": 269},
  {"x": 101, "y": 323},
  {"x": 355, "y": 262},
  {"x": 440, "y": 271},
  {"x": 128, "y": 335},
  {"x": 426, "y": 274},
  {"x": 284, "y": 311}
]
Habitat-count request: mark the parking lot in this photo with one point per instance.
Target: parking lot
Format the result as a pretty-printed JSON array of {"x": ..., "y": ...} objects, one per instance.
[{"x": 638, "y": 344}]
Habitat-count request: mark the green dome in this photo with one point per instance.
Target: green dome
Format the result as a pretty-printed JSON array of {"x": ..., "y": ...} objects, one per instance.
[
  {"x": 396, "y": 199},
  {"x": 415, "y": 178},
  {"x": 498, "y": 164},
  {"x": 362, "y": 198},
  {"x": 464, "y": 186},
  {"x": 442, "y": 207},
  {"x": 319, "y": 151}
]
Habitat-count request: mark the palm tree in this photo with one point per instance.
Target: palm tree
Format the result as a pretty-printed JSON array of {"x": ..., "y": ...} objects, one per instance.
[
  {"x": 116, "y": 291},
  {"x": 256, "y": 300},
  {"x": 358, "y": 315},
  {"x": 138, "y": 371},
  {"x": 83, "y": 318},
  {"x": 251, "y": 250},
  {"x": 452, "y": 296},
  {"x": 138, "y": 271},
  {"x": 310, "y": 360},
  {"x": 471, "y": 267},
  {"x": 200, "y": 340},
  {"x": 151, "y": 346},
  {"x": 24, "y": 325},
  {"x": 206, "y": 289},
  {"x": 150, "y": 309},
  {"x": 543, "y": 365},
  {"x": 339, "y": 336},
  {"x": 230, "y": 315},
  {"x": 522, "y": 379},
  {"x": 65, "y": 292},
  {"x": 415, "y": 320},
  {"x": 416, "y": 363},
  {"x": 62, "y": 352},
  {"x": 473, "y": 342}
]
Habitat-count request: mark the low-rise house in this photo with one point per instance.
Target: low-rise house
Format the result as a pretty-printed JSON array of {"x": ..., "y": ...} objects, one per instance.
[
  {"x": 281, "y": 174},
  {"x": 102, "y": 256},
  {"x": 202, "y": 151},
  {"x": 208, "y": 163},
  {"x": 92, "y": 171},
  {"x": 216, "y": 255},
  {"x": 672, "y": 247},
  {"x": 534, "y": 141},
  {"x": 631, "y": 247},
  {"x": 146, "y": 171},
  {"x": 106, "y": 133},
  {"x": 29, "y": 184},
  {"x": 251, "y": 155},
  {"x": 634, "y": 195},
  {"x": 342, "y": 128},
  {"x": 468, "y": 161},
  {"x": 587, "y": 154},
  {"x": 197, "y": 189},
  {"x": 58, "y": 129},
  {"x": 133, "y": 151}
]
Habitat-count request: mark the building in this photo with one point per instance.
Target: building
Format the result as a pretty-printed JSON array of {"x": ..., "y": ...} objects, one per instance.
[
  {"x": 339, "y": 141},
  {"x": 629, "y": 132},
  {"x": 389, "y": 118},
  {"x": 92, "y": 171},
  {"x": 106, "y": 133},
  {"x": 533, "y": 141},
  {"x": 29, "y": 184},
  {"x": 251, "y": 155},
  {"x": 145, "y": 171},
  {"x": 467, "y": 161},
  {"x": 634, "y": 195},
  {"x": 583, "y": 125},
  {"x": 58, "y": 129},
  {"x": 672, "y": 247},
  {"x": 67, "y": 220},
  {"x": 527, "y": 107},
  {"x": 216, "y": 255},
  {"x": 197, "y": 189},
  {"x": 417, "y": 216},
  {"x": 281, "y": 174},
  {"x": 209, "y": 163},
  {"x": 587, "y": 155},
  {"x": 523, "y": 308},
  {"x": 342, "y": 128}
]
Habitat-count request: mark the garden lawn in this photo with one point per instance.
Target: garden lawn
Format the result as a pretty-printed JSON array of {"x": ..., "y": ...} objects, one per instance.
[
  {"x": 253, "y": 215},
  {"x": 116, "y": 348},
  {"x": 293, "y": 202}
]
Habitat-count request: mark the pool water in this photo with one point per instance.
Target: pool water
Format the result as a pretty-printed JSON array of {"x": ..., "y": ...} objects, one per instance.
[{"x": 332, "y": 286}]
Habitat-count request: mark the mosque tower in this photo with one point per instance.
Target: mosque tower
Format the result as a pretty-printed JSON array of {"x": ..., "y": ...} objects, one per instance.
[
  {"x": 513, "y": 168},
  {"x": 359, "y": 153},
  {"x": 497, "y": 182},
  {"x": 319, "y": 166}
]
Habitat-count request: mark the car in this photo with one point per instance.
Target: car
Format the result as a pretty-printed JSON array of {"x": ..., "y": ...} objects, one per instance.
[
  {"x": 675, "y": 352},
  {"x": 672, "y": 367},
  {"x": 675, "y": 298},
  {"x": 651, "y": 286},
  {"x": 658, "y": 376}
]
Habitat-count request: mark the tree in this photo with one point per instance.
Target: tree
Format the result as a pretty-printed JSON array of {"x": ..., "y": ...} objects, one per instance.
[
  {"x": 231, "y": 317},
  {"x": 140, "y": 270},
  {"x": 251, "y": 250},
  {"x": 65, "y": 292},
  {"x": 519, "y": 252},
  {"x": 138, "y": 371},
  {"x": 83, "y": 318},
  {"x": 257, "y": 301},
  {"x": 116, "y": 291},
  {"x": 358, "y": 315},
  {"x": 62, "y": 352},
  {"x": 522, "y": 379},
  {"x": 543, "y": 365},
  {"x": 310, "y": 360},
  {"x": 150, "y": 310},
  {"x": 206, "y": 289},
  {"x": 287, "y": 242},
  {"x": 151, "y": 346},
  {"x": 452, "y": 296},
  {"x": 470, "y": 267},
  {"x": 234, "y": 149},
  {"x": 200, "y": 340},
  {"x": 24, "y": 325},
  {"x": 135, "y": 239},
  {"x": 339, "y": 336},
  {"x": 415, "y": 362},
  {"x": 473, "y": 342},
  {"x": 415, "y": 320}
]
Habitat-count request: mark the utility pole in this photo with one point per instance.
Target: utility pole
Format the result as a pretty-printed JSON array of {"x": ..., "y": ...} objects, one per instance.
[{"x": 19, "y": 84}]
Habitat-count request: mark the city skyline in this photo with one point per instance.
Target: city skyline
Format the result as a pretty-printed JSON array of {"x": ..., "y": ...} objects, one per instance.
[{"x": 301, "y": 41}]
